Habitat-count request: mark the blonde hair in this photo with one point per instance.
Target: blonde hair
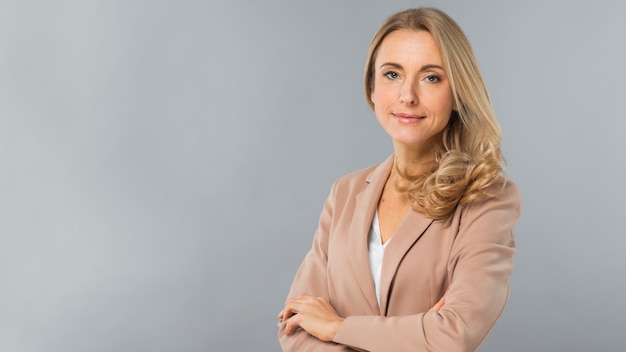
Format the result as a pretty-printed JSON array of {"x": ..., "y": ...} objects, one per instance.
[{"x": 469, "y": 160}]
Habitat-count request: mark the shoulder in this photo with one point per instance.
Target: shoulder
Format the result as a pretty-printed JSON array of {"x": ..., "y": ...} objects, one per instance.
[
  {"x": 356, "y": 177},
  {"x": 348, "y": 186},
  {"x": 501, "y": 189},
  {"x": 358, "y": 180},
  {"x": 371, "y": 174},
  {"x": 500, "y": 208},
  {"x": 505, "y": 191}
]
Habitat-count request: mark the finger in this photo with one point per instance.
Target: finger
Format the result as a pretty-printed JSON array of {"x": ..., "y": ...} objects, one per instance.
[
  {"x": 286, "y": 313},
  {"x": 435, "y": 308},
  {"x": 439, "y": 304},
  {"x": 291, "y": 324},
  {"x": 292, "y": 307}
]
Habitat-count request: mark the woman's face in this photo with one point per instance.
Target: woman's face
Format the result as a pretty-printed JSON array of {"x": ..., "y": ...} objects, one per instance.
[{"x": 411, "y": 95}]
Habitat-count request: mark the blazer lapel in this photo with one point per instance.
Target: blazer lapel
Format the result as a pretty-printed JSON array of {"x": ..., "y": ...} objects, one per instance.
[
  {"x": 409, "y": 231},
  {"x": 366, "y": 203}
]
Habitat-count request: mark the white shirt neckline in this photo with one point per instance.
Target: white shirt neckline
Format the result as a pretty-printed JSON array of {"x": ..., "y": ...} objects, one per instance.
[{"x": 376, "y": 250}]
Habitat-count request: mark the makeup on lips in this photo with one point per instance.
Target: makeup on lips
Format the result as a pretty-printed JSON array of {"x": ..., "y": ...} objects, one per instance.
[{"x": 403, "y": 117}]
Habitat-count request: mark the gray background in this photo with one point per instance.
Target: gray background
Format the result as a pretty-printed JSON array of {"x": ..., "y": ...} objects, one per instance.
[{"x": 163, "y": 164}]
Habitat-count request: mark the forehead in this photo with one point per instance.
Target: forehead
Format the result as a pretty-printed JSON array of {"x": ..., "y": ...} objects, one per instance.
[{"x": 407, "y": 46}]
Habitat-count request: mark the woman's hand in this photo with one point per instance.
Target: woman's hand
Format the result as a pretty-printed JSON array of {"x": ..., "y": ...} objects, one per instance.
[
  {"x": 313, "y": 314},
  {"x": 318, "y": 317},
  {"x": 441, "y": 302}
]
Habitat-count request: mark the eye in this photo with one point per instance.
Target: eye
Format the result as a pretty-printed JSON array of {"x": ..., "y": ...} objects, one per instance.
[
  {"x": 432, "y": 79},
  {"x": 391, "y": 74}
]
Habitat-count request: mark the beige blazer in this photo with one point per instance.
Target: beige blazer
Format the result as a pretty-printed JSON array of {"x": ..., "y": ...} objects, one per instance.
[{"x": 474, "y": 255}]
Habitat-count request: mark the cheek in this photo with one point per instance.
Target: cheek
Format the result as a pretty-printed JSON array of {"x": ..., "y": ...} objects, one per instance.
[
  {"x": 380, "y": 97},
  {"x": 441, "y": 102},
  {"x": 377, "y": 95},
  {"x": 379, "y": 102}
]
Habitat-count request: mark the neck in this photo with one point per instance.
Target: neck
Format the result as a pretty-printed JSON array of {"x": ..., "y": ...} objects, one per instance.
[{"x": 413, "y": 159}]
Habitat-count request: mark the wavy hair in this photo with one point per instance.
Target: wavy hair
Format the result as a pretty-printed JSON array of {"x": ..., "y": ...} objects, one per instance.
[{"x": 469, "y": 160}]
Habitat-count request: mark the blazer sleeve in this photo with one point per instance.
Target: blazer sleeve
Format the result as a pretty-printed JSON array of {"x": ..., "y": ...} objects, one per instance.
[
  {"x": 480, "y": 265},
  {"x": 311, "y": 279}
]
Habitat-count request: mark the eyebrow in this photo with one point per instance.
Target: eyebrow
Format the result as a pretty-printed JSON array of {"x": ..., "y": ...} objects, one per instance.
[{"x": 423, "y": 68}]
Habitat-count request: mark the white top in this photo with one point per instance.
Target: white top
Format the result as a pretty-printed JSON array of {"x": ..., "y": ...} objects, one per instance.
[{"x": 376, "y": 250}]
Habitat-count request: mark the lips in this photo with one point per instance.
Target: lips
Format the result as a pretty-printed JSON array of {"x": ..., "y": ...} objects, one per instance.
[{"x": 404, "y": 117}]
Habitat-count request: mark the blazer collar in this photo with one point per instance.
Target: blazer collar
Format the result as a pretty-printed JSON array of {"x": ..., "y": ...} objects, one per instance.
[
  {"x": 412, "y": 227},
  {"x": 366, "y": 202},
  {"x": 409, "y": 231}
]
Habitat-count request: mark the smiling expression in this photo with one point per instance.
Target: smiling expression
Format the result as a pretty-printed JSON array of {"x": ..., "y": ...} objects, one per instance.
[{"x": 412, "y": 97}]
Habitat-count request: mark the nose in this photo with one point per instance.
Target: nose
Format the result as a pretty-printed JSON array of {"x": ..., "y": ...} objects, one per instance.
[{"x": 408, "y": 93}]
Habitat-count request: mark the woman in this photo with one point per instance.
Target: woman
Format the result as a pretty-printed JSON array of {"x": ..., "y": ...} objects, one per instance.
[{"x": 413, "y": 254}]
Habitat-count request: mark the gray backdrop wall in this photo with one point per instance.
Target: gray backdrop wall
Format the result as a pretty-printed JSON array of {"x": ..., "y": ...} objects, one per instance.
[{"x": 163, "y": 164}]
